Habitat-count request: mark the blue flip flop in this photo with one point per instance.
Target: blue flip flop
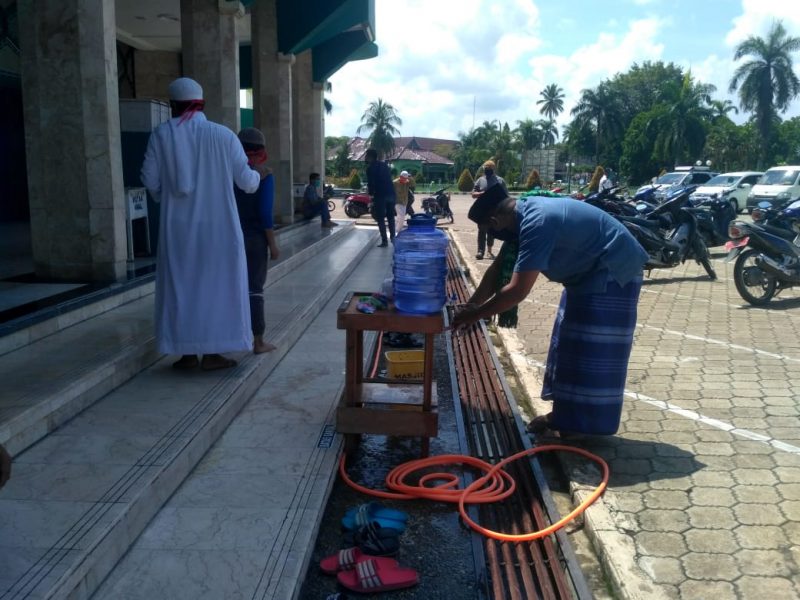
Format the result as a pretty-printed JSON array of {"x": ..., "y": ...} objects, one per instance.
[{"x": 374, "y": 512}]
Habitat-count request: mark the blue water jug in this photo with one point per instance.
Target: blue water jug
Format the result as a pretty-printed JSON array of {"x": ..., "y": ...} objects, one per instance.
[{"x": 420, "y": 267}]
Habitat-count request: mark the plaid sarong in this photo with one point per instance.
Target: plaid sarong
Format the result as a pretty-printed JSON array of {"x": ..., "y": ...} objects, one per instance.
[{"x": 587, "y": 362}]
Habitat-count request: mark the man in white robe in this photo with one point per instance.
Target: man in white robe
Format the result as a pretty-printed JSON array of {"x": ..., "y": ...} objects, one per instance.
[{"x": 190, "y": 167}]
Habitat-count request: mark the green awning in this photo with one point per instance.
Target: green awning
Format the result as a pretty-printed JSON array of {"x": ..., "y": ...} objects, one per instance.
[
  {"x": 305, "y": 25},
  {"x": 330, "y": 56}
]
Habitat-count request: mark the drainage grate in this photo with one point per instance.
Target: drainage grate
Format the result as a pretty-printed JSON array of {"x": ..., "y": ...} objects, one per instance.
[{"x": 492, "y": 430}]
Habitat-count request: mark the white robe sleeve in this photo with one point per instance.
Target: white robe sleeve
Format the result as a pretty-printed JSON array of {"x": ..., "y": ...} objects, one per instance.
[
  {"x": 151, "y": 168},
  {"x": 245, "y": 178}
]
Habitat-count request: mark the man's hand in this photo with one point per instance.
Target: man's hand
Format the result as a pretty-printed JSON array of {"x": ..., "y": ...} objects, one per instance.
[
  {"x": 274, "y": 252},
  {"x": 262, "y": 169},
  {"x": 465, "y": 315},
  {"x": 5, "y": 466}
]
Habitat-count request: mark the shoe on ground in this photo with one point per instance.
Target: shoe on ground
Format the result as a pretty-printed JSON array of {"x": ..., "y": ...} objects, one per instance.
[
  {"x": 479, "y": 256},
  {"x": 328, "y": 225},
  {"x": 383, "y": 244}
]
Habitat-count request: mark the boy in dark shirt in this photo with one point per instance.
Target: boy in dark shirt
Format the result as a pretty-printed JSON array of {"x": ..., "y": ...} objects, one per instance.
[{"x": 255, "y": 216}]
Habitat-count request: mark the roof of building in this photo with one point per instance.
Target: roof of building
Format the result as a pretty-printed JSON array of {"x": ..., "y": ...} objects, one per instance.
[{"x": 406, "y": 148}]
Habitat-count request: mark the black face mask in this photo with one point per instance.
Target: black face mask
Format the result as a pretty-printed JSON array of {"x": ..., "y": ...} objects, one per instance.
[
  {"x": 488, "y": 172},
  {"x": 504, "y": 235}
]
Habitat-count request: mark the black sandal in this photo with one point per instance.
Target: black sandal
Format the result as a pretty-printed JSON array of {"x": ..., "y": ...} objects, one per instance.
[{"x": 374, "y": 540}]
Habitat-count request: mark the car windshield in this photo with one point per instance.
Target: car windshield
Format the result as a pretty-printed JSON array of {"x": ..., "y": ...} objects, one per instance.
[
  {"x": 779, "y": 177},
  {"x": 671, "y": 178},
  {"x": 722, "y": 181}
]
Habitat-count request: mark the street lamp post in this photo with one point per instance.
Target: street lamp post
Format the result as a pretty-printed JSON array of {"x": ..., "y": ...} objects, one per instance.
[{"x": 569, "y": 176}]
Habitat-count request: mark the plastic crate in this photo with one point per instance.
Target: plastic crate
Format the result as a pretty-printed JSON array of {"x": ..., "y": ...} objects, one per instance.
[{"x": 406, "y": 364}]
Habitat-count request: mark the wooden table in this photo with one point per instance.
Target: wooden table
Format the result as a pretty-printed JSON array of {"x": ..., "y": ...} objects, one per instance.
[{"x": 381, "y": 407}]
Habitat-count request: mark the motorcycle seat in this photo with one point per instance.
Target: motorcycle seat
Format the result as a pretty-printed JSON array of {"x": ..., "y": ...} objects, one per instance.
[{"x": 648, "y": 223}]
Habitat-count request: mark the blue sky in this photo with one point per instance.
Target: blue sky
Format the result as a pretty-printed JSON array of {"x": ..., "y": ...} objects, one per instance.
[{"x": 440, "y": 58}]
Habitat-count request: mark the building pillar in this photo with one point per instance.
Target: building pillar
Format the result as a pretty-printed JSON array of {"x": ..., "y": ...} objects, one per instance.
[
  {"x": 307, "y": 116},
  {"x": 72, "y": 139},
  {"x": 211, "y": 57},
  {"x": 272, "y": 103}
]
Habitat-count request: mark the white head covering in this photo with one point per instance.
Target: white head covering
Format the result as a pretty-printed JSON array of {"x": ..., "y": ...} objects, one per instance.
[
  {"x": 184, "y": 89},
  {"x": 184, "y": 135},
  {"x": 404, "y": 174}
]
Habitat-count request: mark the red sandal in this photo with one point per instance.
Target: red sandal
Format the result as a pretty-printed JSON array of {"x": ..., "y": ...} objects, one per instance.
[
  {"x": 346, "y": 559},
  {"x": 370, "y": 576}
]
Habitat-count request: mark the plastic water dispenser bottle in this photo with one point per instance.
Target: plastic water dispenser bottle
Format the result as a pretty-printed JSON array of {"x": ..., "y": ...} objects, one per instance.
[{"x": 420, "y": 267}]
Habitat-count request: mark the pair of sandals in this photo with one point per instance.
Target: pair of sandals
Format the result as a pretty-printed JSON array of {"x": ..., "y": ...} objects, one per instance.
[
  {"x": 372, "y": 532},
  {"x": 210, "y": 362}
]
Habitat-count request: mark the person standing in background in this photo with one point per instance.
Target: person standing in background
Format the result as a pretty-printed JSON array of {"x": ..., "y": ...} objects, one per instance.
[
  {"x": 381, "y": 191},
  {"x": 255, "y": 217},
  {"x": 483, "y": 183}
]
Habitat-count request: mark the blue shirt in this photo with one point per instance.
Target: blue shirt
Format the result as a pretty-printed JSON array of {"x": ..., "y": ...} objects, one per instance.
[
  {"x": 576, "y": 244},
  {"x": 379, "y": 181},
  {"x": 255, "y": 210}
]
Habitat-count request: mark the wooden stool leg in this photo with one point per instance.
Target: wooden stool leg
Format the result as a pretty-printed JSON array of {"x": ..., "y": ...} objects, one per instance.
[
  {"x": 351, "y": 443},
  {"x": 426, "y": 447}
]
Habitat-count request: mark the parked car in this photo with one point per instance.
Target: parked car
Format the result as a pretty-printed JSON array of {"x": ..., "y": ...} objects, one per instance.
[
  {"x": 681, "y": 177},
  {"x": 778, "y": 185},
  {"x": 735, "y": 187}
]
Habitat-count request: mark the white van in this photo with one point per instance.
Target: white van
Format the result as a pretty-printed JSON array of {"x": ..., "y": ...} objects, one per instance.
[{"x": 778, "y": 185}]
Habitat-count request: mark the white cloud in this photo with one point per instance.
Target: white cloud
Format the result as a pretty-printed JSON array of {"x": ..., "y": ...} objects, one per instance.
[{"x": 439, "y": 59}]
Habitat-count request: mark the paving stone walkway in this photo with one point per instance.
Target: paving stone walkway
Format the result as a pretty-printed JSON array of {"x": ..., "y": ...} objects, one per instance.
[{"x": 704, "y": 496}]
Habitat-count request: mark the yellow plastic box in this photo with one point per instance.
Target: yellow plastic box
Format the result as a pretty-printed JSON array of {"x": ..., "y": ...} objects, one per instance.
[{"x": 405, "y": 364}]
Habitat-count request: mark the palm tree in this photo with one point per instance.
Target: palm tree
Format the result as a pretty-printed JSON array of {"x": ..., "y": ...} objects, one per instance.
[
  {"x": 767, "y": 83},
  {"x": 549, "y": 131},
  {"x": 526, "y": 134},
  {"x": 380, "y": 118},
  {"x": 552, "y": 101},
  {"x": 721, "y": 108},
  {"x": 680, "y": 131},
  {"x": 599, "y": 109},
  {"x": 325, "y": 102}
]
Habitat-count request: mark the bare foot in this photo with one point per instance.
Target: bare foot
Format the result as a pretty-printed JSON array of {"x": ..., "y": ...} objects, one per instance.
[
  {"x": 187, "y": 361},
  {"x": 260, "y": 346},
  {"x": 212, "y": 362}
]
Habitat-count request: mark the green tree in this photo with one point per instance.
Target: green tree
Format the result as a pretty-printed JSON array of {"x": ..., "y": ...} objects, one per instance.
[
  {"x": 552, "y": 101},
  {"x": 380, "y": 119},
  {"x": 600, "y": 109},
  {"x": 355, "y": 180},
  {"x": 528, "y": 136},
  {"x": 325, "y": 102},
  {"x": 465, "y": 181},
  {"x": 788, "y": 142},
  {"x": 637, "y": 162},
  {"x": 680, "y": 132},
  {"x": 767, "y": 82},
  {"x": 342, "y": 163},
  {"x": 721, "y": 108},
  {"x": 731, "y": 147}
]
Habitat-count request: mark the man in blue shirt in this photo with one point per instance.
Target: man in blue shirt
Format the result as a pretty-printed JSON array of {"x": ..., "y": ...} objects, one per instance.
[
  {"x": 314, "y": 204},
  {"x": 600, "y": 265},
  {"x": 381, "y": 189}
]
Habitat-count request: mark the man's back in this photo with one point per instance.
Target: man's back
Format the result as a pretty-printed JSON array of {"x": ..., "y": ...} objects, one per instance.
[{"x": 379, "y": 180}]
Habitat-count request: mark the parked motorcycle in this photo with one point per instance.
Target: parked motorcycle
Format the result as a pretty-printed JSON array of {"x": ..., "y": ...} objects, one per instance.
[
  {"x": 356, "y": 205},
  {"x": 766, "y": 264},
  {"x": 438, "y": 204},
  {"x": 770, "y": 216},
  {"x": 327, "y": 194},
  {"x": 713, "y": 217},
  {"x": 670, "y": 234},
  {"x": 612, "y": 203}
]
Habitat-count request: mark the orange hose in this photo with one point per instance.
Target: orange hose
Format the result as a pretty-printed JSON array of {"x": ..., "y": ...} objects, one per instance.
[{"x": 493, "y": 486}]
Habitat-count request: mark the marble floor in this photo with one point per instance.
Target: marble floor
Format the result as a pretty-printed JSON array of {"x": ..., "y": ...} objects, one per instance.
[{"x": 83, "y": 493}]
